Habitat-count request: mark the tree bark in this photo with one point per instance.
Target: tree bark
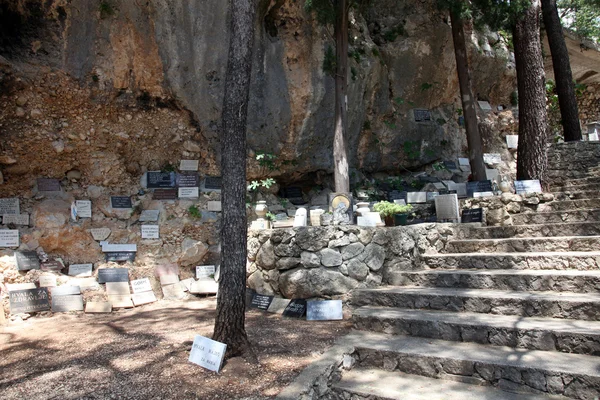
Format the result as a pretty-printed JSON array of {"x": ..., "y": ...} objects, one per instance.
[
  {"x": 532, "y": 159},
  {"x": 340, "y": 150},
  {"x": 466, "y": 95},
  {"x": 562, "y": 72},
  {"x": 230, "y": 320}
]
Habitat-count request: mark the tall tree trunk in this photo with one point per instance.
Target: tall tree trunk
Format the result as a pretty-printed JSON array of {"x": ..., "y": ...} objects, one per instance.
[
  {"x": 466, "y": 94},
  {"x": 340, "y": 150},
  {"x": 562, "y": 72},
  {"x": 229, "y": 323},
  {"x": 532, "y": 159}
]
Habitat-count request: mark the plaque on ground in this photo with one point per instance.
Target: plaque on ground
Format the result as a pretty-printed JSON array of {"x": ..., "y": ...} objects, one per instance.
[
  {"x": 120, "y": 256},
  {"x": 431, "y": 196},
  {"x": 20, "y": 286},
  {"x": 472, "y": 215},
  {"x": 53, "y": 265},
  {"x": 84, "y": 208},
  {"x": 150, "y": 232},
  {"x": 9, "y": 238},
  {"x": 295, "y": 309},
  {"x": 484, "y": 105},
  {"x": 478, "y": 186},
  {"x": 416, "y": 197},
  {"x": 113, "y": 275},
  {"x": 165, "y": 194},
  {"x": 422, "y": 115},
  {"x": 157, "y": 179},
  {"x": 530, "y": 186},
  {"x": 204, "y": 286},
  {"x": 482, "y": 194},
  {"x": 459, "y": 188},
  {"x": 86, "y": 283},
  {"x": 205, "y": 271},
  {"x": 110, "y": 247},
  {"x": 188, "y": 193},
  {"x": 512, "y": 141},
  {"x": 492, "y": 158},
  {"x": 47, "y": 280},
  {"x": 168, "y": 279},
  {"x": 28, "y": 300},
  {"x": 118, "y": 288},
  {"x": 324, "y": 310},
  {"x": 207, "y": 353},
  {"x": 81, "y": 270},
  {"x": 141, "y": 285},
  {"x": 187, "y": 283},
  {"x": 67, "y": 303},
  {"x": 100, "y": 234},
  {"x": 120, "y": 202},
  {"x": 215, "y": 206},
  {"x": 27, "y": 260},
  {"x": 167, "y": 269},
  {"x": 143, "y": 298},
  {"x": 188, "y": 165},
  {"x": 446, "y": 207},
  {"x": 65, "y": 290},
  {"x": 211, "y": 183},
  {"x": 10, "y": 205},
  {"x": 174, "y": 291},
  {"x": 120, "y": 301},
  {"x": 149, "y": 215},
  {"x": 188, "y": 180},
  {"x": 17, "y": 219},
  {"x": 48, "y": 185},
  {"x": 278, "y": 305},
  {"x": 261, "y": 301},
  {"x": 95, "y": 307}
]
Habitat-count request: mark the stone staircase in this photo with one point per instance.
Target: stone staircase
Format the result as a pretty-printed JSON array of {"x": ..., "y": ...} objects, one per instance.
[{"x": 507, "y": 313}]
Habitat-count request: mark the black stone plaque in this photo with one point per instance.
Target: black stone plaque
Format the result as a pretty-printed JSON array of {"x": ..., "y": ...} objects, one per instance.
[
  {"x": 451, "y": 165},
  {"x": 48, "y": 185},
  {"x": 212, "y": 182},
  {"x": 261, "y": 301},
  {"x": 165, "y": 194},
  {"x": 120, "y": 202},
  {"x": 27, "y": 260},
  {"x": 52, "y": 265},
  {"x": 119, "y": 256},
  {"x": 188, "y": 180},
  {"x": 161, "y": 180},
  {"x": 478, "y": 186},
  {"x": 249, "y": 294},
  {"x": 396, "y": 195},
  {"x": 29, "y": 300},
  {"x": 422, "y": 115},
  {"x": 113, "y": 274},
  {"x": 446, "y": 191},
  {"x": 291, "y": 192},
  {"x": 473, "y": 215},
  {"x": 296, "y": 309}
]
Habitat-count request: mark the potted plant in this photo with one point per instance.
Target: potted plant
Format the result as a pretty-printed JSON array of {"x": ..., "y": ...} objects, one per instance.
[{"x": 392, "y": 213}]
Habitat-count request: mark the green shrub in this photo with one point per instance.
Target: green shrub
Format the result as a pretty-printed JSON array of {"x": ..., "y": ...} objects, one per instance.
[{"x": 387, "y": 209}]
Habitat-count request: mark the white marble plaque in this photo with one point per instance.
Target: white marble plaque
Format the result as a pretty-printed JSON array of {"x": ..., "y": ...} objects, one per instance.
[
  {"x": 188, "y": 165},
  {"x": 188, "y": 193},
  {"x": 47, "y": 280},
  {"x": 17, "y": 219},
  {"x": 100, "y": 234},
  {"x": 402, "y": 202},
  {"x": 9, "y": 238},
  {"x": 484, "y": 105},
  {"x": 96, "y": 307},
  {"x": 528, "y": 186},
  {"x": 20, "y": 286},
  {"x": 187, "y": 283},
  {"x": 482, "y": 194},
  {"x": 174, "y": 291},
  {"x": 324, "y": 310},
  {"x": 207, "y": 353},
  {"x": 149, "y": 215},
  {"x": 300, "y": 219},
  {"x": 461, "y": 189},
  {"x": 168, "y": 279},
  {"x": 10, "y": 205},
  {"x": 84, "y": 208},
  {"x": 463, "y": 161},
  {"x": 593, "y": 137},
  {"x": 277, "y": 305},
  {"x": 416, "y": 197},
  {"x": 141, "y": 285},
  {"x": 65, "y": 290},
  {"x": 214, "y": 206},
  {"x": 150, "y": 232},
  {"x": 80, "y": 270},
  {"x": 446, "y": 207},
  {"x": 512, "y": 141},
  {"x": 143, "y": 298},
  {"x": 118, "y": 288},
  {"x": 204, "y": 286},
  {"x": 492, "y": 158},
  {"x": 111, "y": 248},
  {"x": 439, "y": 185},
  {"x": 86, "y": 283},
  {"x": 492, "y": 175},
  {"x": 120, "y": 301},
  {"x": 205, "y": 271}
]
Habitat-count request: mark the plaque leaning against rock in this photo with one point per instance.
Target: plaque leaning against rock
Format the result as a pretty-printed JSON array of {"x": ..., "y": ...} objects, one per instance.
[
  {"x": 29, "y": 300},
  {"x": 9, "y": 238},
  {"x": 17, "y": 219},
  {"x": 9, "y": 205}
]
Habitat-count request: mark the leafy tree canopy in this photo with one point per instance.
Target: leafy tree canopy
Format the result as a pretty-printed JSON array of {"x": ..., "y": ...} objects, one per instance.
[{"x": 581, "y": 16}]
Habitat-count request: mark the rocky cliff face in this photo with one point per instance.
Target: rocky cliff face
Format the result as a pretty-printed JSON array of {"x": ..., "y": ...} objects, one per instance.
[{"x": 130, "y": 85}]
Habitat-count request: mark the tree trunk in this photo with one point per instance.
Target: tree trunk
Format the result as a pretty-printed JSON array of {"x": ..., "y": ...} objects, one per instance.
[
  {"x": 466, "y": 94},
  {"x": 229, "y": 323},
  {"x": 562, "y": 72},
  {"x": 340, "y": 151},
  {"x": 533, "y": 124}
]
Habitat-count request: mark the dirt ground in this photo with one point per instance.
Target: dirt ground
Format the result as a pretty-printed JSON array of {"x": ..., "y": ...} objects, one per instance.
[{"x": 143, "y": 353}]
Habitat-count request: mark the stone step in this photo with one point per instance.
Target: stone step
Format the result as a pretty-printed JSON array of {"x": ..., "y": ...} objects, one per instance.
[
  {"x": 377, "y": 384},
  {"x": 501, "y": 279},
  {"x": 576, "y": 195},
  {"x": 536, "y": 230},
  {"x": 521, "y": 245},
  {"x": 549, "y": 334},
  {"x": 568, "y": 205},
  {"x": 561, "y": 182},
  {"x": 557, "y": 217},
  {"x": 580, "y": 260},
  {"x": 502, "y": 302},
  {"x": 575, "y": 187},
  {"x": 573, "y": 375},
  {"x": 561, "y": 174}
]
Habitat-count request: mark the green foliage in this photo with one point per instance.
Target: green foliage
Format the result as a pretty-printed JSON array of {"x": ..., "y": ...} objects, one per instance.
[
  {"x": 266, "y": 160},
  {"x": 441, "y": 121},
  {"x": 514, "y": 98},
  {"x": 399, "y": 101},
  {"x": 426, "y": 86},
  {"x": 375, "y": 51},
  {"x": 389, "y": 124},
  {"x": 270, "y": 216},
  {"x": 106, "y": 9},
  {"x": 581, "y": 16},
  {"x": 498, "y": 15},
  {"x": 168, "y": 168},
  {"x": 387, "y": 209},
  {"x": 392, "y": 34},
  {"x": 266, "y": 183},
  {"x": 194, "y": 212},
  {"x": 323, "y": 10},
  {"x": 355, "y": 54},
  {"x": 411, "y": 149},
  {"x": 95, "y": 78},
  {"x": 329, "y": 61},
  {"x": 459, "y": 111}
]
